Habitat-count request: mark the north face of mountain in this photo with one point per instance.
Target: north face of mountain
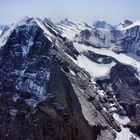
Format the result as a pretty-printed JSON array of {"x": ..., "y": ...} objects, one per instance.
[
  {"x": 65, "y": 81},
  {"x": 44, "y": 94}
]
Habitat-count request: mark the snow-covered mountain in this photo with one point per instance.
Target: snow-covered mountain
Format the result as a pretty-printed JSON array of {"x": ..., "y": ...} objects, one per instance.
[
  {"x": 2, "y": 27},
  {"x": 102, "y": 25},
  {"x": 124, "y": 24},
  {"x": 69, "y": 81},
  {"x": 120, "y": 39}
]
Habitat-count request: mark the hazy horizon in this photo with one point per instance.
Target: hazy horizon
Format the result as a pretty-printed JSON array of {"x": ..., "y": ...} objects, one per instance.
[{"x": 112, "y": 11}]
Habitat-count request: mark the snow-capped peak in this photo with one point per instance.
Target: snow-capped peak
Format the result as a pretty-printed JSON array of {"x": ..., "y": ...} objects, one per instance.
[
  {"x": 49, "y": 21},
  {"x": 6, "y": 33},
  {"x": 26, "y": 21},
  {"x": 102, "y": 25},
  {"x": 124, "y": 24},
  {"x": 67, "y": 22},
  {"x": 136, "y": 23}
]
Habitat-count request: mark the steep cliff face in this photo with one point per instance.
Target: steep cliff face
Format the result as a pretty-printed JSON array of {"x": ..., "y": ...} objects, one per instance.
[
  {"x": 44, "y": 94},
  {"x": 130, "y": 41},
  {"x": 53, "y": 88}
]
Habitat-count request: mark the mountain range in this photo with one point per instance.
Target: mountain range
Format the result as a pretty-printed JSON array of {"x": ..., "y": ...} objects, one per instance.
[{"x": 69, "y": 81}]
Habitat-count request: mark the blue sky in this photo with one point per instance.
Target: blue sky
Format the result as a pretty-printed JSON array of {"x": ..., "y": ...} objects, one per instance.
[{"x": 112, "y": 11}]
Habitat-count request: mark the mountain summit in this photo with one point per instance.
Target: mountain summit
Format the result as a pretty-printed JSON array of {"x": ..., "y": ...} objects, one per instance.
[{"x": 102, "y": 25}]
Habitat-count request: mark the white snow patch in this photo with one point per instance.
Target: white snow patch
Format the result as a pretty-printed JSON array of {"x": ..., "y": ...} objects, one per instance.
[
  {"x": 123, "y": 58},
  {"x": 30, "y": 86},
  {"x": 69, "y": 31},
  {"x": 13, "y": 112},
  {"x": 125, "y": 133},
  {"x": 72, "y": 72},
  {"x": 101, "y": 92},
  {"x": 15, "y": 98},
  {"x": 96, "y": 71},
  {"x": 0, "y": 32},
  {"x": 113, "y": 109},
  {"x": 138, "y": 76},
  {"x": 121, "y": 119},
  {"x": 104, "y": 109},
  {"x": 24, "y": 21},
  {"x": 5, "y": 35},
  {"x": 32, "y": 102},
  {"x": 42, "y": 26},
  {"x": 75, "y": 61},
  {"x": 100, "y": 59},
  {"x": 25, "y": 50}
]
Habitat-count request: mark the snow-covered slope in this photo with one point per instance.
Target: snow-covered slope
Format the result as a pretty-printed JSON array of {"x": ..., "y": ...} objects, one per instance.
[
  {"x": 2, "y": 27},
  {"x": 125, "y": 133},
  {"x": 131, "y": 25},
  {"x": 124, "y": 24},
  {"x": 69, "y": 29},
  {"x": 25, "y": 21},
  {"x": 122, "y": 58},
  {"x": 0, "y": 31},
  {"x": 6, "y": 33}
]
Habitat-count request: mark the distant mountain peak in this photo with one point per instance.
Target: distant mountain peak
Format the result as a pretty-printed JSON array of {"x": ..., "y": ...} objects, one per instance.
[
  {"x": 67, "y": 22},
  {"x": 48, "y": 20},
  {"x": 26, "y": 20},
  {"x": 129, "y": 25},
  {"x": 128, "y": 22},
  {"x": 102, "y": 24},
  {"x": 124, "y": 24}
]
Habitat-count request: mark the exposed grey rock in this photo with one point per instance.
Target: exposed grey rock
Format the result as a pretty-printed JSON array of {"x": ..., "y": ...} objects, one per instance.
[{"x": 126, "y": 88}]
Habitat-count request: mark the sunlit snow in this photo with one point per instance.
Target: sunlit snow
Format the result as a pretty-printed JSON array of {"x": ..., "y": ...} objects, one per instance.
[
  {"x": 0, "y": 32},
  {"x": 123, "y": 58},
  {"x": 6, "y": 34},
  {"x": 136, "y": 23},
  {"x": 121, "y": 119},
  {"x": 95, "y": 70},
  {"x": 125, "y": 133}
]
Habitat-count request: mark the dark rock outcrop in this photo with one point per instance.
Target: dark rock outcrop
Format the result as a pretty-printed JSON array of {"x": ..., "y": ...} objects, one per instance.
[{"x": 40, "y": 99}]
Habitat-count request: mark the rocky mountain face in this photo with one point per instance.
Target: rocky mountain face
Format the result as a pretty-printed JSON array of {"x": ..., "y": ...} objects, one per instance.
[
  {"x": 123, "y": 38},
  {"x": 56, "y": 84},
  {"x": 102, "y": 25}
]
